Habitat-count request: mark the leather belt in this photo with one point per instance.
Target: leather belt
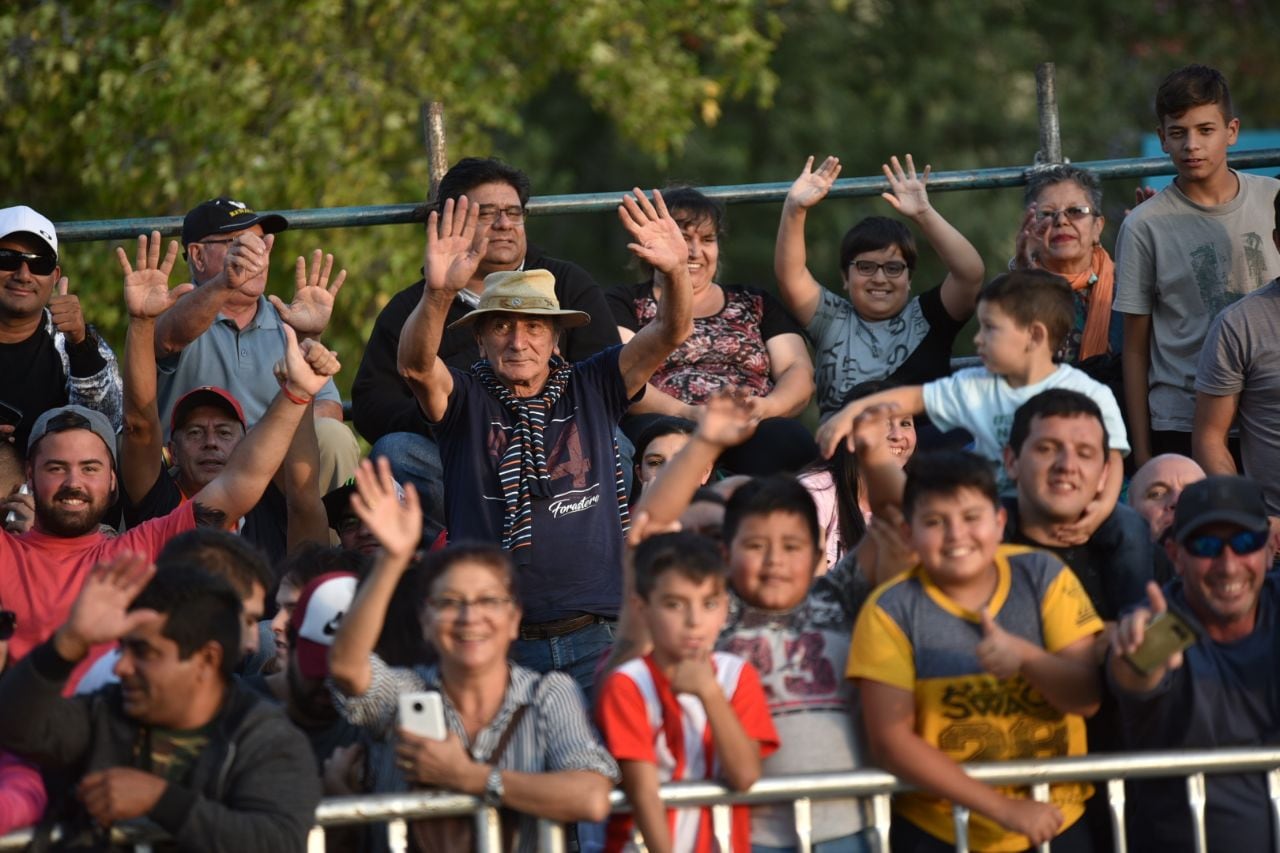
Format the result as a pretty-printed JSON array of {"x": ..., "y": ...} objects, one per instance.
[{"x": 560, "y": 627}]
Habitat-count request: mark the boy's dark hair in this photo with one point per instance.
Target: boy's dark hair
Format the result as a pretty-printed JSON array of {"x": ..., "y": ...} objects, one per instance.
[
  {"x": 945, "y": 472},
  {"x": 1064, "y": 173},
  {"x": 767, "y": 495},
  {"x": 199, "y": 606},
  {"x": 690, "y": 206},
  {"x": 662, "y": 425},
  {"x": 873, "y": 234},
  {"x": 220, "y": 553},
  {"x": 313, "y": 560},
  {"x": 1193, "y": 86},
  {"x": 693, "y": 555},
  {"x": 1034, "y": 296},
  {"x": 1054, "y": 403},
  {"x": 471, "y": 172}
]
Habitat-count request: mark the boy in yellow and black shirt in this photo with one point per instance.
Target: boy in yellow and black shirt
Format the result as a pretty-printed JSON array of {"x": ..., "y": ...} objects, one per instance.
[{"x": 982, "y": 652}]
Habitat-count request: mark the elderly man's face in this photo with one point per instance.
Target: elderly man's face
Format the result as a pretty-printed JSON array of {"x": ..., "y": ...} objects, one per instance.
[
  {"x": 519, "y": 347},
  {"x": 208, "y": 257},
  {"x": 503, "y": 216},
  {"x": 1223, "y": 589},
  {"x": 1156, "y": 486}
]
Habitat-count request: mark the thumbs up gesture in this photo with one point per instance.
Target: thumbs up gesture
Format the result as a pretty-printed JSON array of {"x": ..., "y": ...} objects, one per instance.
[
  {"x": 66, "y": 312},
  {"x": 999, "y": 652}
]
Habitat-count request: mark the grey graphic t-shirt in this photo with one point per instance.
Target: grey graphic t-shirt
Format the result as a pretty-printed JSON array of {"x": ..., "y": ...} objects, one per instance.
[{"x": 1183, "y": 263}]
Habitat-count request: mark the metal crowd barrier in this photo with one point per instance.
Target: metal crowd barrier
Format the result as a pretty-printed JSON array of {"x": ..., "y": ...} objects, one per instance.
[{"x": 1110, "y": 770}]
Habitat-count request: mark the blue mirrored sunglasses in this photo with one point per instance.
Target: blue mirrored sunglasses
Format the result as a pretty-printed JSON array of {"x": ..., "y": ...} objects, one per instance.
[{"x": 1244, "y": 542}]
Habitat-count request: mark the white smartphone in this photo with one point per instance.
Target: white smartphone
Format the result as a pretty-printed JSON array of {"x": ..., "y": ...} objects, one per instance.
[{"x": 422, "y": 714}]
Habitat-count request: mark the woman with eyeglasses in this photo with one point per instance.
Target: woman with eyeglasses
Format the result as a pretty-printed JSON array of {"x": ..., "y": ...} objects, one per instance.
[
  {"x": 742, "y": 338},
  {"x": 517, "y": 739},
  {"x": 876, "y": 330},
  {"x": 1062, "y": 232}
]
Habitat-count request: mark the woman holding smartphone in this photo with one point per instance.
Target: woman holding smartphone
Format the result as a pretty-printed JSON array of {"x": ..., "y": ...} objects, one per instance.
[{"x": 515, "y": 738}]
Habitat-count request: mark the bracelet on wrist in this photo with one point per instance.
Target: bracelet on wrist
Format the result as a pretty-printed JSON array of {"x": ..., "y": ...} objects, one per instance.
[{"x": 292, "y": 397}]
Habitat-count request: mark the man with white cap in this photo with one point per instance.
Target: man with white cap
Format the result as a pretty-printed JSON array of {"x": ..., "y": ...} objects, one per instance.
[
  {"x": 527, "y": 440},
  {"x": 48, "y": 355},
  {"x": 1220, "y": 691}
]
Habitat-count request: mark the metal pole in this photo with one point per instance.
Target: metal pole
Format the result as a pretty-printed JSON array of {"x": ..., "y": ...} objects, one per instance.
[
  {"x": 432, "y": 116},
  {"x": 1047, "y": 107}
]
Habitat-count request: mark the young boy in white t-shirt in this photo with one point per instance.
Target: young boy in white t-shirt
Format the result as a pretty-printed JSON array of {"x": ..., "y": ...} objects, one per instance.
[{"x": 1023, "y": 317}]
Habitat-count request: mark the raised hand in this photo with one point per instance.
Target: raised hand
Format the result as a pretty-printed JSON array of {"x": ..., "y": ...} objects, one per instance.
[
  {"x": 18, "y": 511},
  {"x": 728, "y": 418},
  {"x": 869, "y": 435},
  {"x": 1132, "y": 629},
  {"x": 999, "y": 652},
  {"x": 313, "y": 295},
  {"x": 100, "y": 613},
  {"x": 812, "y": 186},
  {"x": 248, "y": 257},
  {"x": 1031, "y": 235},
  {"x": 907, "y": 192},
  {"x": 146, "y": 282},
  {"x": 455, "y": 246},
  {"x": 397, "y": 526},
  {"x": 642, "y": 527},
  {"x": 67, "y": 316},
  {"x": 657, "y": 238},
  {"x": 306, "y": 367}
]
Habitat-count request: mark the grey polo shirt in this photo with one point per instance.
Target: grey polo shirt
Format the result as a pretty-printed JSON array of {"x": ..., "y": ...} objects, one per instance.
[{"x": 239, "y": 360}]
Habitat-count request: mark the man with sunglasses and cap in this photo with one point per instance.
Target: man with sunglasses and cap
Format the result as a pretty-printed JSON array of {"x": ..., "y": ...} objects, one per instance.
[
  {"x": 1222, "y": 690},
  {"x": 49, "y": 357},
  {"x": 226, "y": 331}
]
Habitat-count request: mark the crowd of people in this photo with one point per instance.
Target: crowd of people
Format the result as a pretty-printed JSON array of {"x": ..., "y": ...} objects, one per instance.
[{"x": 594, "y": 534}]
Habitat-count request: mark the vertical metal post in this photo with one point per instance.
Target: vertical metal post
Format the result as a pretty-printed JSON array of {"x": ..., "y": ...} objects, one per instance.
[
  {"x": 550, "y": 836},
  {"x": 1196, "y": 800},
  {"x": 397, "y": 835},
  {"x": 1047, "y": 107},
  {"x": 722, "y": 825},
  {"x": 1116, "y": 803},
  {"x": 960, "y": 815},
  {"x": 315, "y": 840},
  {"x": 1040, "y": 793},
  {"x": 802, "y": 811},
  {"x": 431, "y": 114},
  {"x": 1273, "y": 789},
  {"x": 488, "y": 830},
  {"x": 881, "y": 816}
]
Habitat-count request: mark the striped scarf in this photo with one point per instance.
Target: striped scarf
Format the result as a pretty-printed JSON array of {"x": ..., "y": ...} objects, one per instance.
[{"x": 522, "y": 470}]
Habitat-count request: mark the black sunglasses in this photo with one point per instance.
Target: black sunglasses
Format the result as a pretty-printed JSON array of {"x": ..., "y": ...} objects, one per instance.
[
  {"x": 11, "y": 261},
  {"x": 1244, "y": 542},
  {"x": 8, "y": 621}
]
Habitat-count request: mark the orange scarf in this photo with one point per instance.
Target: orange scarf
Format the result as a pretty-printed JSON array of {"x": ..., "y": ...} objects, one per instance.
[{"x": 1097, "y": 322}]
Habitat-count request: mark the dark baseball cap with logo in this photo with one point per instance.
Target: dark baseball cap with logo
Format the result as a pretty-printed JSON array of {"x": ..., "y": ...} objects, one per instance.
[
  {"x": 1220, "y": 499},
  {"x": 224, "y": 215}
]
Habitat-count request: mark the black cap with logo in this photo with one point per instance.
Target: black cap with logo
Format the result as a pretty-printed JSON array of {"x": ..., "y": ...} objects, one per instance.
[{"x": 223, "y": 215}]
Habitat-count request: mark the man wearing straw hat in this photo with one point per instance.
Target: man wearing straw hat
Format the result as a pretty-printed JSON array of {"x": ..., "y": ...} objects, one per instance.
[{"x": 527, "y": 439}]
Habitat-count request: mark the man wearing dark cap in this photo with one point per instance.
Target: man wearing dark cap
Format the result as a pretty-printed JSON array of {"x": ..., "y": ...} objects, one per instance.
[
  {"x": 48, "y": 355},
  {"x": 206, "y": 426},
  {"x": 227, "y": 331},
  {"x": 1219, "y": 692}
]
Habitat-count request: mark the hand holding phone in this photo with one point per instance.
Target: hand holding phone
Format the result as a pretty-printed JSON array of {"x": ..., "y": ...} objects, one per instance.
[
  {"x": 1166, "y": 634},
  {"x": 422, "y": 714}
]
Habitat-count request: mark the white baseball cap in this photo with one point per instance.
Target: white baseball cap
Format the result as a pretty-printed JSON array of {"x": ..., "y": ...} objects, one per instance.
[
  {"x": 320, "y": 608},
  {"x": 22, "y": 219}
]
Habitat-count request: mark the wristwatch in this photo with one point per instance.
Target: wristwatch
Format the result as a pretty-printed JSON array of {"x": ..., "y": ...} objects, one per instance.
[{"x": 493, "y": 790}]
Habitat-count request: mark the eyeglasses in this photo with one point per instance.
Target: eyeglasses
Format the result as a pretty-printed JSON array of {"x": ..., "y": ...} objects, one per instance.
[
  {"x": 349, "y": 524},
  {"x": 8, "y": 622},
  {"x": 1074, "y": 213},
  {"x": 490, "y": 213},
  {"x": 892, "y": 269},
  {"x": 11, "y": 261},
  {"x": 215, "y": 242},
  {"x": 451, "y": 608},
  {"x": 1244, "y": 542}
]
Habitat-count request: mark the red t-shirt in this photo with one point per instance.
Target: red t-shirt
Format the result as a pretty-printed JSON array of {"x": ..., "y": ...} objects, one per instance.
[
  {"x": 642, "y": 720},
  {"x": 41, "y": 575}
]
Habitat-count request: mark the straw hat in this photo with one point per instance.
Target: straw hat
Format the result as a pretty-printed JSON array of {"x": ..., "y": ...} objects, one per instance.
[{"x": 529, "y": 292}]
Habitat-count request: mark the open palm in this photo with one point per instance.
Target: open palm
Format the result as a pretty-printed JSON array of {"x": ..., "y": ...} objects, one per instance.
[
  {"x": 813, "y": 185},
  {"x": 907, "y": 189},
  {"x": 656, "y": 237},
  {"x": 146, "y": 285},
  {"x": 455, "y": 246},
  {"x": 313, "y": 296}
]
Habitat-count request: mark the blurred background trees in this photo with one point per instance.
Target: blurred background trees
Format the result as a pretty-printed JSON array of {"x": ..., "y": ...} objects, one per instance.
[{"x": 125, "y": 108}]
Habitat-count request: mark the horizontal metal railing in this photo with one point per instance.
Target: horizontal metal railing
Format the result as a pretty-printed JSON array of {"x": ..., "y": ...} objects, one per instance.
[
  {"x": 399, "y": 214},
  {"x": 800, "y": 790}
]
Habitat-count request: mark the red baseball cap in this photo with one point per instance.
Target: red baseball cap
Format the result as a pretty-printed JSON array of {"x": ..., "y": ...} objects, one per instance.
[
  {"x": 205, "y": 395},
  {"x": 321, "y": 606}
]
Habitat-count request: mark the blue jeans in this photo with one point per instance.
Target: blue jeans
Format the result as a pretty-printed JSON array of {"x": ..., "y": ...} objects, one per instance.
[
  {"x": 577, "y": 653},
  {"x": 415, "y": 458},
  {"x": 862, "y": 841}
]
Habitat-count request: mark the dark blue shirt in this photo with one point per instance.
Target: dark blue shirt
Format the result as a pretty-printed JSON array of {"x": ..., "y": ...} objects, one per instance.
[{"x": 574, "y": 564}]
